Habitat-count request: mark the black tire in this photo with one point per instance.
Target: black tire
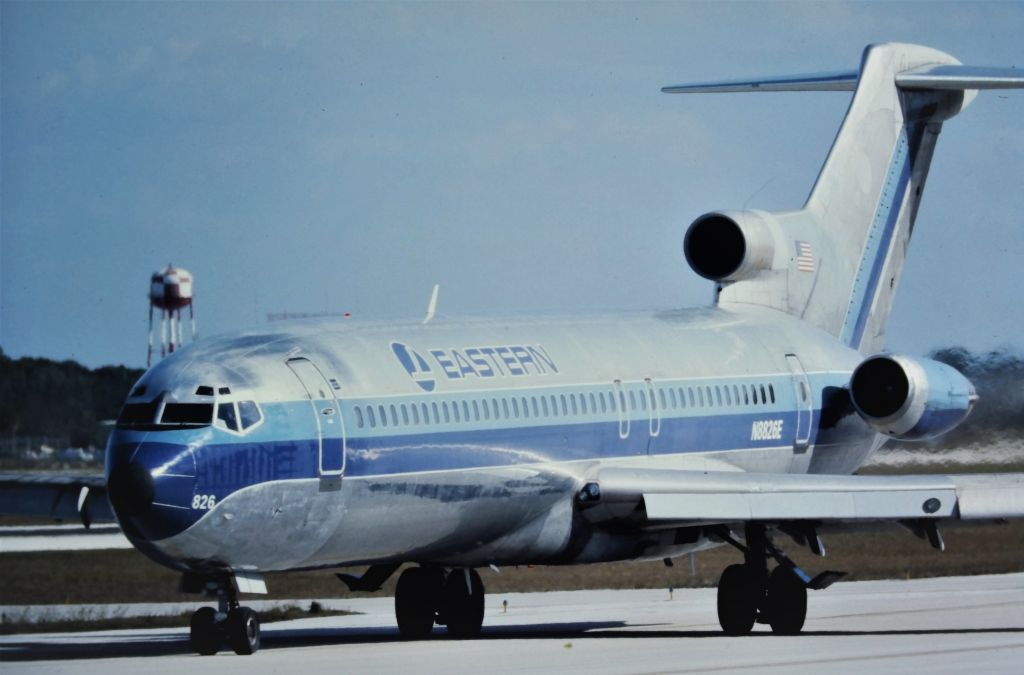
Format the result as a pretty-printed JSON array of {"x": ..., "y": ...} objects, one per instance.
[
  {"x": 204, "y": 634},
  {"x": 462, "y": 606},
  {"x": 417, "y": 598},
  {"x": 243, "y": 630},
  {"x": 786, "y": 603},
  {"x": 737, "y": 600}
]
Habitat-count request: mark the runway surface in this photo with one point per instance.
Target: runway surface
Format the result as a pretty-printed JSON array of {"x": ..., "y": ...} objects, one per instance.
[
  {"x": 932, "y": 625},
  {"x": 24, "y": 538}
]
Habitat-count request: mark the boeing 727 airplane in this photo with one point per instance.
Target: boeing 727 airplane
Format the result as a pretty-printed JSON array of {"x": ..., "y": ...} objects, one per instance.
[{"x": 454, "y": 445}]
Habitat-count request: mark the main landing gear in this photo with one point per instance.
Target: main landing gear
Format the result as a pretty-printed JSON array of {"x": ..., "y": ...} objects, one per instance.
[
  {"x": 238, "y": 627},
  {"x": 748, "y": 594},
  {"x": 428, "y": 595}
]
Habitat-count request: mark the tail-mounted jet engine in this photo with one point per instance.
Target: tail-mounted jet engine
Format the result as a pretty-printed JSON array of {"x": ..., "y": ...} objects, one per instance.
[
  {"x": 910, "y": 399},
  {"x": 729, "y": 245}
]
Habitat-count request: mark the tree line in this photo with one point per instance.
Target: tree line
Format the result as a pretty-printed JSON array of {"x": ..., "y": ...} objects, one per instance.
[
  {"x": 40, "y": 397},
  {"x": 998, "y": 376}
]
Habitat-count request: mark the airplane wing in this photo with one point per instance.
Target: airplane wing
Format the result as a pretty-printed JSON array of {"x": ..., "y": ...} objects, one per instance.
[
  {"x": 56, "y": 496},
  {"x": 661, "y": 496}
]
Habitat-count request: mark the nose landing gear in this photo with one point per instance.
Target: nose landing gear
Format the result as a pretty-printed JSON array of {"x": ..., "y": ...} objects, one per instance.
[
  {"x": 425, "y": 596},
  {"x": 238, "y": 627}
]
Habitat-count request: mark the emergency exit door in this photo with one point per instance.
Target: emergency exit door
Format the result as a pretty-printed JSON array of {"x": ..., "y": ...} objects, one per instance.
[{"x": 804, "y": 403}]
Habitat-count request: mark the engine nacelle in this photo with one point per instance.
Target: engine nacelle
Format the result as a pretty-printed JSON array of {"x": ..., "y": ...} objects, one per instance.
[
  {"x": 910, "y": 399},
  {"x": 729, "y": 245}
]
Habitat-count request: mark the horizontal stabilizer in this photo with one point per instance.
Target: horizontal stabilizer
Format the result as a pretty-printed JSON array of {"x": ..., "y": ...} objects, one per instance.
[
  {"x": 834, "y": 81},
  {"x": 960, "y": 77},
  {"x": 945, "y": 76}
]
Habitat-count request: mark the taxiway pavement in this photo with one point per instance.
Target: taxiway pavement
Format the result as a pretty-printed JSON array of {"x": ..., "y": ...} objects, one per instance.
[
  {"x": 960, "y": 624},
  {"x": 24, "y": 538}
]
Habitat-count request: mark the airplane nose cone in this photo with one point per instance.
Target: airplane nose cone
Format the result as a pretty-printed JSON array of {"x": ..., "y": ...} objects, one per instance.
[
  {"x": 151, "y": 486},
  {"x": 131, "y": 489}
]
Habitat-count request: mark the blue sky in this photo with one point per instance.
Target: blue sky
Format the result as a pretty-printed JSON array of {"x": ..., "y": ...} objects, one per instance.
[{"x": 346, "y": 157}]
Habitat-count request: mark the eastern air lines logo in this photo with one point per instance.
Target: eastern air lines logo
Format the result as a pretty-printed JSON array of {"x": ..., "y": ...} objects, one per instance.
[
  {"x": 467, "y": 362},
  {"x": 415, "y": 365}
]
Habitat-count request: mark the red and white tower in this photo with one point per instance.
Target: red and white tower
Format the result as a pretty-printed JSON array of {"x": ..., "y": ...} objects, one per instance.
[{"x": 170, "y": 291}]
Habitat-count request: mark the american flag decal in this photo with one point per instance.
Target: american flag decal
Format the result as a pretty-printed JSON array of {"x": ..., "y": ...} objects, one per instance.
[{"x": 804, "y": 257}]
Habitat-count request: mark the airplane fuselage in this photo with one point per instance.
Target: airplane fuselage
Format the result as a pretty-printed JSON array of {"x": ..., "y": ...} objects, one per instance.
[{"x": 464, "y": 443}]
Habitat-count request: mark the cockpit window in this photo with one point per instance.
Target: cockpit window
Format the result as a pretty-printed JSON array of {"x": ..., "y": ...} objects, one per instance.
[
  {"x": 238, "y": 417},
  {"x": 187, "y": 414},
  {"x": 248, "y": 413},
  {"x": 174, "y": 416},
  {"x": 226, "y": 416},
  {"x": 134, "y": 414}
]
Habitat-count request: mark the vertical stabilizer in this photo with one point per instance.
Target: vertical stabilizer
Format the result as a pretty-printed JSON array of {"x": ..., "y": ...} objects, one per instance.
[
  {"x": 867, "y": 194},
  {"x": 836, "y": 263}
]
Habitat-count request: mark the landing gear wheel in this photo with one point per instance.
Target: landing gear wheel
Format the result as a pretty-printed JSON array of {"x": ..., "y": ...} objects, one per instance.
[
  {"x": 243, "y": 630},
  {"x": 204, "y": 634},
  {"x": 786, "y": 602},
  {"x": 417, "y": 598},
  {"x": 462, "y": 604},
  {"x": 737, "y": 600}
]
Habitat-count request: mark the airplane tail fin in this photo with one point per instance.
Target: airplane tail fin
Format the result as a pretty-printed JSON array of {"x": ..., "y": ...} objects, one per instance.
[{"x": 836, "y": 262}]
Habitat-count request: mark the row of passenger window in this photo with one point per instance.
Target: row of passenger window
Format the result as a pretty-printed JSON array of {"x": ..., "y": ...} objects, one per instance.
[{"x": 562, "y": 405}]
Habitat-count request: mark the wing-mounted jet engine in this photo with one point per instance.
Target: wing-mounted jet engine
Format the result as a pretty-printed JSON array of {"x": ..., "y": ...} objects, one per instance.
[{"x": 910, "y": 399}]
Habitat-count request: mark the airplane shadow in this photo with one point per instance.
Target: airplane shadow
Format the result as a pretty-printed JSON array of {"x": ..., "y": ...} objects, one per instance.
[{"x": 74, "y": 647}]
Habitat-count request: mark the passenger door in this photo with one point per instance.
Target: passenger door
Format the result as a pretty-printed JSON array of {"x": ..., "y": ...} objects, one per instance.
[{"x": 327, "y": 412}]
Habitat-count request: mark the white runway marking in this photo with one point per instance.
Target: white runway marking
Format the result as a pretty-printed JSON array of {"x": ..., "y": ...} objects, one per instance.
[{"x": 973, "y": 624}]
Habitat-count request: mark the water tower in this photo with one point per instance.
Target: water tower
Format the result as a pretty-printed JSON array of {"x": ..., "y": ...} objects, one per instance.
[{"x": 170, "y": 291}]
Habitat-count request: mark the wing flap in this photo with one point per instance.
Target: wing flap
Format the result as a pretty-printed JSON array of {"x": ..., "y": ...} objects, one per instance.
[
  {"x": 694, "y": 496},
  {"x": 824, "y": 505},
  {"x": 994, "y": 495}
]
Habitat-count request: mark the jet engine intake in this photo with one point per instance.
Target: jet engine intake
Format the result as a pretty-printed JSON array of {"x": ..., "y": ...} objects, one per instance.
[
  {"x": 910, "y": 399},
  {"x": 729, "y": 245}
]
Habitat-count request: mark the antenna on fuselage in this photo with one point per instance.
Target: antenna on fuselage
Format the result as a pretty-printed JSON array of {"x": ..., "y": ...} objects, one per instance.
[{"x": 432, "y": 305}]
